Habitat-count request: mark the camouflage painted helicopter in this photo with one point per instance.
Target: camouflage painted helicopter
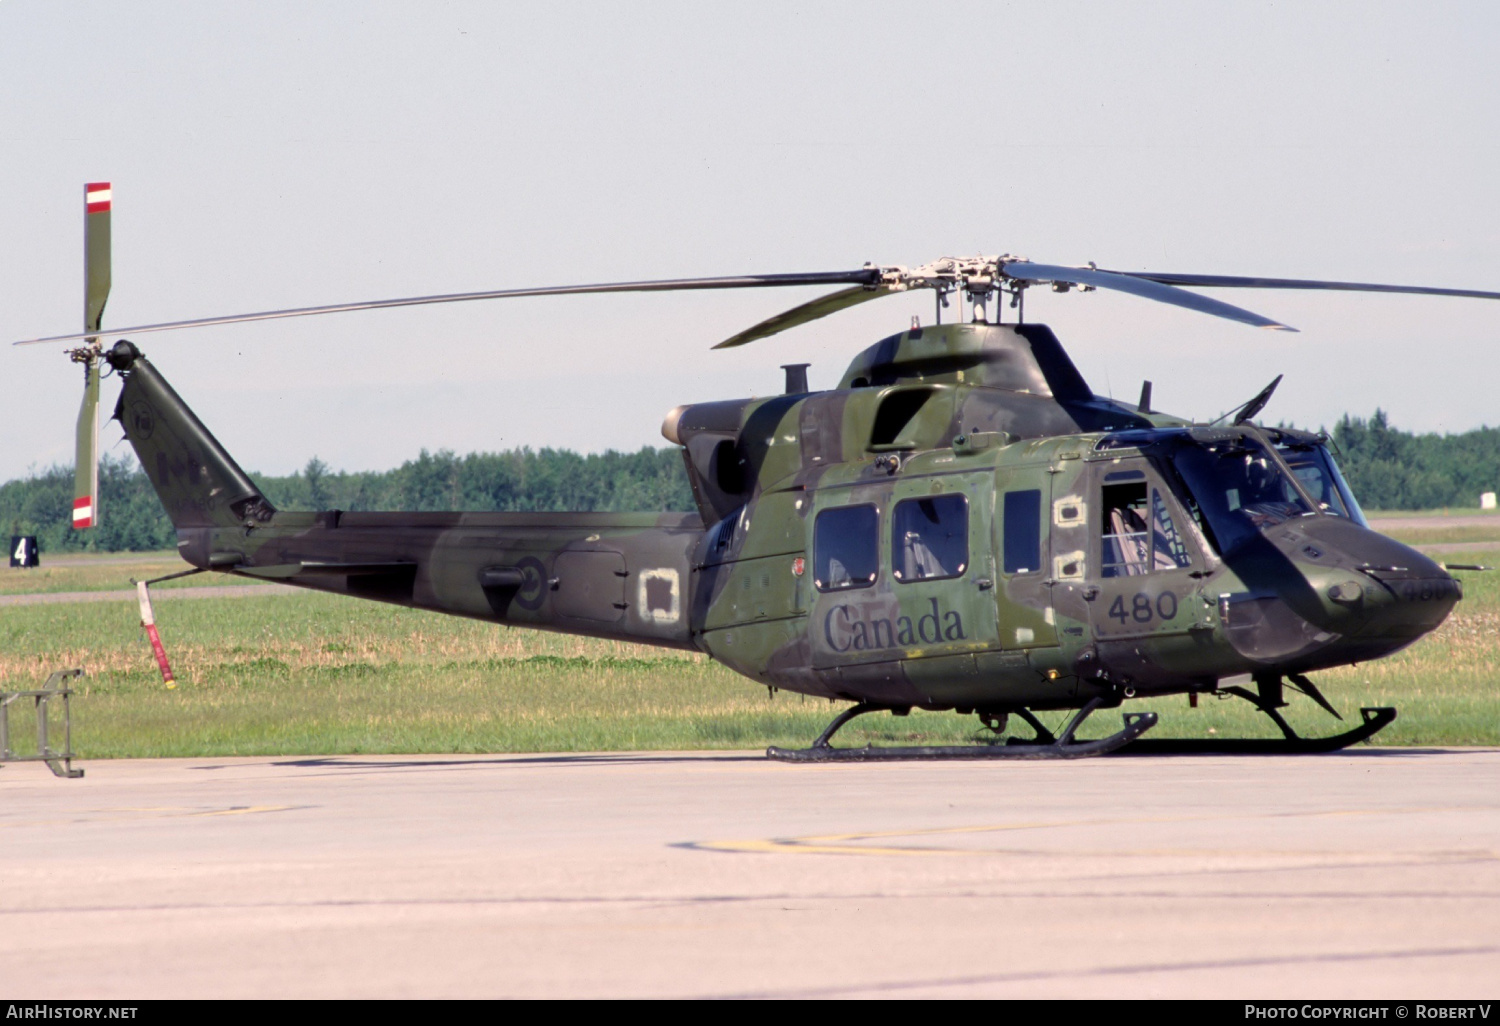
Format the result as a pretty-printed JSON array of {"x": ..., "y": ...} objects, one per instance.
[{"x": 961, "y": 524}]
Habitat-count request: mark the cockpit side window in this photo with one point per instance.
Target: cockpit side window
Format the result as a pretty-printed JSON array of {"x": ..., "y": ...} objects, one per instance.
[
  {"x": 1127, "y": 539},
  {"x": 1168, "y": 550}
]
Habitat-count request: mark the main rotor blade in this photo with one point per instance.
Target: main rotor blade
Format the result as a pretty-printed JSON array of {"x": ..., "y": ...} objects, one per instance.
[
  {"x": 863, "y": 276},
  {"x": 1228, "y": 281},
  {"x": 811, "y": 311},
  {"x": 1136, "y": 285}
]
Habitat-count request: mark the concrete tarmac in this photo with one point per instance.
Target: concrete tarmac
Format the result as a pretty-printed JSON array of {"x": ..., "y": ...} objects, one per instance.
[{"x": 1368, "y": 874}]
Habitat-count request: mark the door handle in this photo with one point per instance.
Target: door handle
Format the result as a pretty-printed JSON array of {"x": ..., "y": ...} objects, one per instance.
[
  {"x": 985, "y": 584},
  {"x": 1090, "y": 593}
]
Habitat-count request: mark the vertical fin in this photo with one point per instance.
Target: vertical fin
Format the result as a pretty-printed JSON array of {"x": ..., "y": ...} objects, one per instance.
[{"x": 198, "y": 482}]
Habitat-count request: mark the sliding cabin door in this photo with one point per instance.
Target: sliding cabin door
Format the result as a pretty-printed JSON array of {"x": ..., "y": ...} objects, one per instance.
[{"x": 1145, "y": 566}]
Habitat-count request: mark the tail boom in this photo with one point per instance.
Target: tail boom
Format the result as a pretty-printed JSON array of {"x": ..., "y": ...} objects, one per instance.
[
  {"x": 612, "y": 575},
  {"x": 609, "y": 575}
]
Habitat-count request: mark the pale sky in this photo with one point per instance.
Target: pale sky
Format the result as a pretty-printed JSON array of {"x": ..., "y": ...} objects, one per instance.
[{"x": 287, "y": 154}]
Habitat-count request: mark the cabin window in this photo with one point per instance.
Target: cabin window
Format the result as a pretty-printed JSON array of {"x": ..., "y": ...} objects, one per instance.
[
  {"x": 1023, "y": 531},
  {"x": 930, "y": 538},
  {"x": 846, "y": 548},
  {"x": 1139, "y": 537}
]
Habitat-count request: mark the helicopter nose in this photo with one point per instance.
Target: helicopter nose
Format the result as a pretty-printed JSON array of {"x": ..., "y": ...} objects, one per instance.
[{"x": 1372, "y": 588}]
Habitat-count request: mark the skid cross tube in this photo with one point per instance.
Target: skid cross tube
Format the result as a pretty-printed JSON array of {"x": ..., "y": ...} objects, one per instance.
[
  {"x": 59, "y": 762},
  {"x": 1043, "y": 735}
]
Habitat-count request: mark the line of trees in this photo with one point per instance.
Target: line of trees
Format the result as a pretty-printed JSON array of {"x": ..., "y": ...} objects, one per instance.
[
  {"x": 132, "y": 519},
  {"x": 1387, "y": 468},
  {"x": 1392, "y": 469}
]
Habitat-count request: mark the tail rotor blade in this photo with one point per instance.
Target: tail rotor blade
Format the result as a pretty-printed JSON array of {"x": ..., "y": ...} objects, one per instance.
[
  {"x": 96, "y": 253},
  {"x": 97, "y": 197},
  {"x": 86, "y": 458}
]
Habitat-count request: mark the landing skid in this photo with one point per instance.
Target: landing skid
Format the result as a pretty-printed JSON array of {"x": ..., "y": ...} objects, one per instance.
[
  {"x": 1268, "y": 698},
  {"x": 1061, "y": 747},
  {"x": 1375, "y": 720}
]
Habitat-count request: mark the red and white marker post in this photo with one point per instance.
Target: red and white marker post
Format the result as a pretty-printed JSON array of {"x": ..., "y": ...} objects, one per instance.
[{"x": 148, "y": 621}]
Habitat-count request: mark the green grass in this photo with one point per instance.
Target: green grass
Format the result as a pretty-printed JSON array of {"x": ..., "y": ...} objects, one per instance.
[
  {"x": 1420, "y": 536},
  {"x": 321, "y": 674},
  {"x": 109, "y": 573},
  {"x": 1447, "y": 511},
  {"x": 318, "y": 674}
]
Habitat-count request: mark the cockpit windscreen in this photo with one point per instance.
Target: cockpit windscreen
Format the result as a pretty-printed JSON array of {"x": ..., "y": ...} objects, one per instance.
[{"x": 1239, "y": 487}]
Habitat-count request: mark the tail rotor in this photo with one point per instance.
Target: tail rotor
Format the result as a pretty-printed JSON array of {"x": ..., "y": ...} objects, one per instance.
[{"x": 96, "y": 245}]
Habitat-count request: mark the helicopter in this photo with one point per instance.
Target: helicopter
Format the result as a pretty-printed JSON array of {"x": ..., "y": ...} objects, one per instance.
[{"x": 961, "y": 524}]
